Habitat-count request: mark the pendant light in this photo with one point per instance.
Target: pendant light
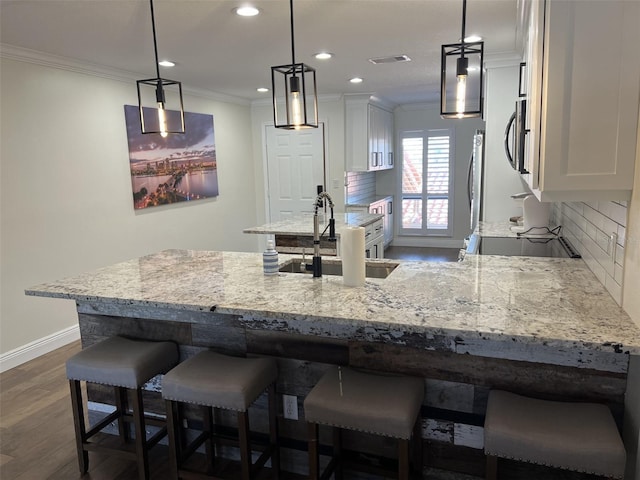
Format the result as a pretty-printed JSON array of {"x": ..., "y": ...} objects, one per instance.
[
  {"x": 160, "y": 121},
  {"x": 461, "y": 89},
  {"x": 297, "y": 106}
]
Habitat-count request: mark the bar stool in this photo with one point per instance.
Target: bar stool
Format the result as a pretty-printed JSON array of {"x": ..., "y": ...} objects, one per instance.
[
  {"x": 383, "y": 405},
  {"x": 126, "y": 365},
  {"x": 215, "y": 381},
  {"x": 581, "y": 437}
]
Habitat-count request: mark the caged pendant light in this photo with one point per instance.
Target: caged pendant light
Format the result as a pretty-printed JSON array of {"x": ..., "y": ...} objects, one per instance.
[
  {"x": 461, "y": 89},
  {"x": 158, "y": 119},
  {"x": 297, "y": 106}
]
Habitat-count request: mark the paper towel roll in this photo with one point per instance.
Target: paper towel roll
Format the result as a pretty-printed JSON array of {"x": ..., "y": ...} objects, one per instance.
[{"x": 352, "y": 247}]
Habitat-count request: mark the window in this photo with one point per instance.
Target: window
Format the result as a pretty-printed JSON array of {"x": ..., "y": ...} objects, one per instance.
[{"x": 427, "y": 166}]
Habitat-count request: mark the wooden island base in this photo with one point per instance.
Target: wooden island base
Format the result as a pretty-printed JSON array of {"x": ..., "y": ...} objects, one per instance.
[{"x": 457, "y": 384}]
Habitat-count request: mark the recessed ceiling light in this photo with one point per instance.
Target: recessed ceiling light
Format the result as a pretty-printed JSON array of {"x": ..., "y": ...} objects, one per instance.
[
  {"x": 356, "y": 80},
  {"x": 247, "y": 11},
  {"x": 472, "y": 38},
  {"x": 262, "y": 89},
  {"x": 323, "y": 55},
  {"x": 166, "y": 63}
]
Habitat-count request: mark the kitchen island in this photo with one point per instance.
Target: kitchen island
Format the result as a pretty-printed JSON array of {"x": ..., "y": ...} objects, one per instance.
[
  {"x": 540, "y": 326},
  {"x": 295, "y": 234}
]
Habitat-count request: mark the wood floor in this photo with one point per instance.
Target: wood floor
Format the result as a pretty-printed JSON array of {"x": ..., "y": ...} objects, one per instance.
[{"x": 431, "y": 254}]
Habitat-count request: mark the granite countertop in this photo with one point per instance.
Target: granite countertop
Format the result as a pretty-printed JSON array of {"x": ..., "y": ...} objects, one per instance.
[
  {"x": 366, "y": 202},
  {"x": 503, "y": 229},
  {"x": 546, "y": 302},
  {"x": 303, "y": 224}
]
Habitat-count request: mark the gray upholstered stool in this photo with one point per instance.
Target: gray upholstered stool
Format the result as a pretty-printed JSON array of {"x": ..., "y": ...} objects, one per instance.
[
  {"x": 213, "y": 380},
  {"x": 383, "y": 405},
  {"x": 574, "y": 436},
  {"x": 126, "y": 365}
]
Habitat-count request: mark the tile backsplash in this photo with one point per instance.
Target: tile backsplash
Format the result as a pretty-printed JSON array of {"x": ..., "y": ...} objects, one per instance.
[
  {"x": 597, "y": 231},
  {"x": 360, "y": 186}
]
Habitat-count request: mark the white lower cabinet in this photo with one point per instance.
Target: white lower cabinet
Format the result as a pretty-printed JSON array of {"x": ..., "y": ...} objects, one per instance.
[
  {"x": 385, "y": 207},
  {"x": 374, "y": 239},
  {"x": 383, "y": 229}
]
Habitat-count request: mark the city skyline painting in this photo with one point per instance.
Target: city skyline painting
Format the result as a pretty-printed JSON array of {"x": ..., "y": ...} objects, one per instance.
[{"x": 175, "y": 168}]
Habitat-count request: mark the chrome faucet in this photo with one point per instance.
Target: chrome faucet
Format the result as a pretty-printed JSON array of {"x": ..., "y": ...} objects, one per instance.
[{"x": 316, "y": 266}]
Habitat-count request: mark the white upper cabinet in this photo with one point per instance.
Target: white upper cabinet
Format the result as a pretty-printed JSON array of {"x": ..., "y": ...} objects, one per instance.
[
  {"x": 582, "y": 82},
  {"x": 369, "y": 135}
]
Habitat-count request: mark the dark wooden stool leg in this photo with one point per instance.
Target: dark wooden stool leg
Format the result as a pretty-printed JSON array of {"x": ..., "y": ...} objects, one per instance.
[
  {"x": 141, "y": 436},
  {"x": 337, "y": 452},
  {"x": 491, "y": 472},
  {"x": 403, "y": 459},
  {"x": 314, "y": 464},
  {"x": 245, "y": 450},
  {"x": 173, "y": 423},
  {"x": 207, "y": 426},
  {"x": 273, "y": 432},
  {"x": 122, "y": 404},
  {"x": 417, "y": 447},
  {"x": 79, "y": 424}
]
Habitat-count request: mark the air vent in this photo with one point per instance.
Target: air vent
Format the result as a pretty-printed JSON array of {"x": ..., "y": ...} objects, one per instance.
[{"x": 391, "y": 59}]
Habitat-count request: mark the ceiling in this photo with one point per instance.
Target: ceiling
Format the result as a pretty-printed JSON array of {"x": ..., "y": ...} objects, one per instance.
[{"x": 218, "y": 51}]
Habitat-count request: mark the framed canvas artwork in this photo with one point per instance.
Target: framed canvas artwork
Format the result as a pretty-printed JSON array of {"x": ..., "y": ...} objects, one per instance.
[{"x": 175, "y": 168}]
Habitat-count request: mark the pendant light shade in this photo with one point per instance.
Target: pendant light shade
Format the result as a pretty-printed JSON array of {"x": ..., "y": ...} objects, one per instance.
[
  {"x": 295, "y": 96},
  {"x": 160, "y": 93},
  {"x": 461, "y": 77}
]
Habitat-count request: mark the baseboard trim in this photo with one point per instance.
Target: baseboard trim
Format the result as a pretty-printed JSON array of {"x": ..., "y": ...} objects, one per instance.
[{"x": 38, "y": 347}]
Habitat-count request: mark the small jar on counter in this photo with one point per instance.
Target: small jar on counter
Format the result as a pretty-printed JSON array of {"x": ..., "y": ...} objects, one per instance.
[{"x": 270, "y": 259}]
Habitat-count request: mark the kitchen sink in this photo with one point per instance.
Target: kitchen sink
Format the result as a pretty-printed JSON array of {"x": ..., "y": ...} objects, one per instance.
[{"x": 334, "y": 267}]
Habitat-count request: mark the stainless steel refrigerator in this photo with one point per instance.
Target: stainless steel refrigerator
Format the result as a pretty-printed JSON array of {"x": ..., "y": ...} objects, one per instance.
[{"x": 474, "y": 179}]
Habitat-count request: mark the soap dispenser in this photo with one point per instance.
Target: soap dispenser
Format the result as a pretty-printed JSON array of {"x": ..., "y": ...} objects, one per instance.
[{"x": 270, "y": 259}]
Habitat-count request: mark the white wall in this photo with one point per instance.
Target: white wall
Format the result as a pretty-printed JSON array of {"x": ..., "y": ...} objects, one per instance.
[
  {"x": 423, "y": 117},
  {"x": 66, "y": 199},
  {"x": 500, "y": 179}
]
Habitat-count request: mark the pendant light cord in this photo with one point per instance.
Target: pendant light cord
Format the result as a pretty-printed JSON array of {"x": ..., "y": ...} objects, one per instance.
[
  {"x": 464, "y": 24},
  {"x": 155, "y": 46},
  {"x": 293, "y": 47}
]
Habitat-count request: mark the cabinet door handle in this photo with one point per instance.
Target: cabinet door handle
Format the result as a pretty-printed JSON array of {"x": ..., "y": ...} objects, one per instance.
[
  {"x": 390, "y": 207},
  {"x": 390, "y": 158}
]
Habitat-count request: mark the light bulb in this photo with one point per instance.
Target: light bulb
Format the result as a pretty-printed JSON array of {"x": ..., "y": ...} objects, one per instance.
[
  {"x": 296, "y": 110},
  {"x": 461, "y": 93},
  {"x": 162, "y": 120}
]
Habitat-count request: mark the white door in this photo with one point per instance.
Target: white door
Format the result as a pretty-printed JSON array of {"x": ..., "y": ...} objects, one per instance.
[{"x": 295, "y": 166}]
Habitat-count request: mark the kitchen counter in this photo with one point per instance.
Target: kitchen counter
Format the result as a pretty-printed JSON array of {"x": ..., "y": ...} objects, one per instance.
[
  {"x": 366, "y": 202},
  {"x": 303, "y": 224},
  {"x": 467, "y": 306},
  {"x": 503, "y": 229},
  {"x": 537, "y": 326}
]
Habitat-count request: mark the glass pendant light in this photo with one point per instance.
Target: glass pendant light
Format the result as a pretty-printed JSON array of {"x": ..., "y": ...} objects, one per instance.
[
  {"x": 162, "y": 121},
  {"x": 461, "y": 80},
  {"x": 295, "y": 96}
]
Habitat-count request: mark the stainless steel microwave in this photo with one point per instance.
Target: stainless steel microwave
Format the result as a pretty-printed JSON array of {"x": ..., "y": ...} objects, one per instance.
[{"x": 514, "y": 136}]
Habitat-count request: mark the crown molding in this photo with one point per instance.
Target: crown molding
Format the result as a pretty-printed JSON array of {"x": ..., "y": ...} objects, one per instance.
[{"x": 35, "y": 57}]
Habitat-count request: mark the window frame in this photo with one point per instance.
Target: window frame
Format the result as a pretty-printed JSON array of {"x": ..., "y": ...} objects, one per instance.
[{"x": 425, "y": 134}]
